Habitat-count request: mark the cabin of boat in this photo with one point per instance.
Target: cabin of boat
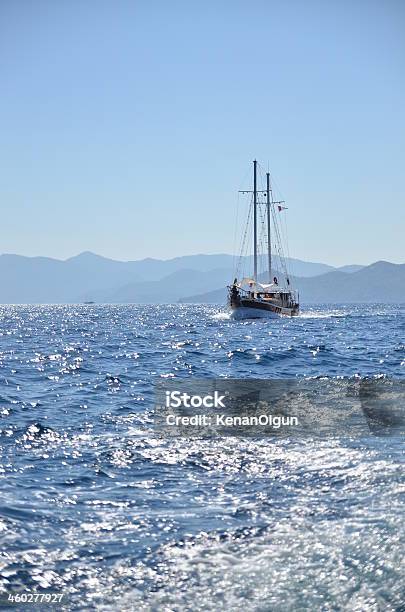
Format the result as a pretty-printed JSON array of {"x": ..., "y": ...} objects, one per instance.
[{"x": 270, "y": 298}]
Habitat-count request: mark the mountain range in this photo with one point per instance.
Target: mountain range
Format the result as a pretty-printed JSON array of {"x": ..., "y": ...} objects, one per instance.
[
  {"x": 192, "y": 278},
  {"x": 381, "y": 282}
]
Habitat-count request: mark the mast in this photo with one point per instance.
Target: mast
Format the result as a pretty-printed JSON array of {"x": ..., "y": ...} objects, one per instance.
[
  {"x": 268, "y": 223},
  {"x": 255, "y": 221}
]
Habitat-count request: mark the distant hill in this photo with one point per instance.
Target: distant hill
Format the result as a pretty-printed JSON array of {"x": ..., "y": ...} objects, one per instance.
[
  {"x": 46, "y": 280},
  {"x": 170, "y": 288},
  {"x": 91, "y": 277},
  {"x": 381, "y": 282},
  {"x": 350, "y": 268},
  {"x": 191, "y": 278}
]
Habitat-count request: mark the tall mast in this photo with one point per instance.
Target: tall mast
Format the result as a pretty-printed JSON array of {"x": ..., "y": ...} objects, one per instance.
[
  {"x": 255, "y": 221},
  {"x": 268, "y": 223}
]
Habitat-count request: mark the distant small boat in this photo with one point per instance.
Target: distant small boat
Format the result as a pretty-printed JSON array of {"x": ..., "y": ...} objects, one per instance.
[
  {"x": 249, "y": 298},
  {"x": 89, "y": 302}
]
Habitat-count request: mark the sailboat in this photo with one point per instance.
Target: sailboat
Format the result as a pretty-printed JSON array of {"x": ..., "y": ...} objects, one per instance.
[{"x": 275, "y": 297}]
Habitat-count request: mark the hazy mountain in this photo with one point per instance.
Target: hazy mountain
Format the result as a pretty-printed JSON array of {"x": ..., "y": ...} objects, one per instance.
[
  {"x": 91, "y": 277},
  {"x": 46, "y": 280},
  {"x": 350, "y": 268},
  {"x": 171, "y": 288},
  {"x": 380, "y": 282},
  {"x": 155, "y": 269}
]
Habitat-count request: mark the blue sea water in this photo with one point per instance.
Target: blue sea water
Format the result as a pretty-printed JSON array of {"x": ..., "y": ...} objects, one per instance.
[{"x": 95, "y": 505}]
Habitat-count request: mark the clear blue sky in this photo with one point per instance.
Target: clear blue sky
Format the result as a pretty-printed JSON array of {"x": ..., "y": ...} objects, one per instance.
[{"x": 128, "y": 126}]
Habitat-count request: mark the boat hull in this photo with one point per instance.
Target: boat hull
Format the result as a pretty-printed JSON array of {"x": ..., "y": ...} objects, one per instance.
[
  {"x": 249, "y": 313},
  {"x": 255, "y": 309}
]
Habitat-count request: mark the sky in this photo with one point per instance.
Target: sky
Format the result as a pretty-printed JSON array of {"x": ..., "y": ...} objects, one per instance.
[{"x": 127, "y": 127}]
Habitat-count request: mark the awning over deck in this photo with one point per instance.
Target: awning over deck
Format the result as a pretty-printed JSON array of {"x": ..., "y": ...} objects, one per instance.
[{"x": 250, "y": 285}]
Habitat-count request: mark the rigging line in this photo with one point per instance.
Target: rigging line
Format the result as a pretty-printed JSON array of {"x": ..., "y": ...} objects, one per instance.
[
  {"x": 247, "y": 263},
  {"x": 264, "y": 244},
  {"x": 239, "y": 243},
  {"x": 263, "y": 238},
  {"x": 235, "y": 234},
  {"x": 279, "y": 247},
  {"x": 282, "y": 232},
  {"x": 262, "y": 174},
  {"x": 245, "y": 236},
  {"x": 242, "y": 243},
  {"x": 277, "y": 228},
  {"x": 277, "y": 189},
  {"x": 288, "y": 267},
  {"x": 281, "y": 238},
  {"x": 287, "y": 244}
]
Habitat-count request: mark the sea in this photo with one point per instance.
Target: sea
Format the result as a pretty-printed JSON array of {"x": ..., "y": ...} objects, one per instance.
[{"x": 100, "y": 509}]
